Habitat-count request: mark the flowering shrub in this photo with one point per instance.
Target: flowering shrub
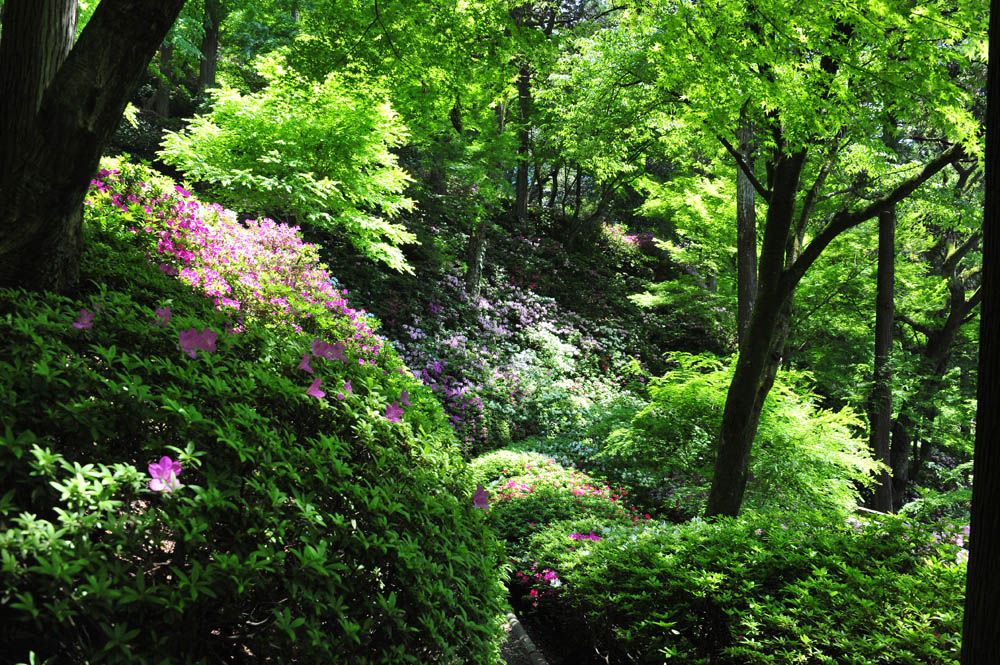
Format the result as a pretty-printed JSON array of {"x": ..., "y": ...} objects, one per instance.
[
  {"x": 254, "y": 269},
  {"x": 528, "y": 491},
  {"x": 757, "y": 589},
  {"x": 305, "y": 531}
]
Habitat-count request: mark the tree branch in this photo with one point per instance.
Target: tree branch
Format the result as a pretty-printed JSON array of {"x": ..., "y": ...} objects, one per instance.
[
  {"x": 846, "y": 219},
  {"x": 746, "y": 169}
]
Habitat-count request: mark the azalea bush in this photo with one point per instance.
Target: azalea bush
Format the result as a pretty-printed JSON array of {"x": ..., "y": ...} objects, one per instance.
[
  {"x": 261, "y": 492},
  {"x": 760, "y": 589},
  {"x": 528, "y": 491},
  {"x": 254, "y": 268}
]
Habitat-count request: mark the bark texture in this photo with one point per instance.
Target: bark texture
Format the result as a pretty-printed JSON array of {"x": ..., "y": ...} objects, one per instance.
[
  {"x": 523, "y": 142},
  {"x": 64, "y": 109},
  {"x": 210, "y": 44},
  {"x": 980, "y": 645},
  {"x": 881, "y": 397},
  {"x": 746, "y": 236}
]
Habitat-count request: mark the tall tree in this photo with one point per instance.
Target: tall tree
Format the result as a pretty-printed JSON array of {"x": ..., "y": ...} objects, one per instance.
[
  {"x": 59, "y": 103},
  {"x": 881, "y": 398},
  {"x": 211, "y": 23},
  {"x": 980, "y": 645}
]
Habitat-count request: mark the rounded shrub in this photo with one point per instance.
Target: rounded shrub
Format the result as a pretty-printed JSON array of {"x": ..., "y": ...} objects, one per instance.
[
  {"x": 757, "y": 590},
  {"x": 320, "y": 515}
]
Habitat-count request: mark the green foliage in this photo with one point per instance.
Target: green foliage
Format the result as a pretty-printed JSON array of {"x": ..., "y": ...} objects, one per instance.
[
  {"x": 758, "y": 589},
  {"x": 315, "y": 531},
  {"x": 805, "y": 458},
  {"x": 531, "y": 490},
  {"x": 317, "y": 152}
]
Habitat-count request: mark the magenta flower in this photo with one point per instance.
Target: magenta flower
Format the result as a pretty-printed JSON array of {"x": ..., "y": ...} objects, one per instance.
[
  {"x": 313, "y": 389},
  {"x": 580, "y": 536},
  {"x": 304, "y": 365},
  {"x": 164, "y": 475},
  {"x": 347, "y": 391},
  {"x": 84, "y": 320},
  {"x": 183, "y": 192},
  {"x": 169, "y": 270},
  {"x": 192, "y": 341},
  {"x": 481, "y": 498},
  {"x": 393, "y": 412},
  {"x": 323, "y": 349},
  {"x": 404, "y": 397},
  {"x": 164, "y": 316},
  {"x": 336, "y": 351}
]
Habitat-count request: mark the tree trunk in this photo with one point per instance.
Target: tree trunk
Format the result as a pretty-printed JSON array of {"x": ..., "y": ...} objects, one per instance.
[
  {"x": 758, "y": 360},
  {"x": 58, "y": 110},
  {"x": 578, "y": 186},
  {"x": 475, "y": 255},
  {"x": 980, "y": 645},
  {"x": 746, "y": 236},
  {"x": 881, "y": 397},
  {"x": 899, "y": 457},
  {"x": 210, "y": 44},
  {"x": 161, "y": 102},
  {"x": 554, "y": 191},
  {"x": 523, "y": 142}
]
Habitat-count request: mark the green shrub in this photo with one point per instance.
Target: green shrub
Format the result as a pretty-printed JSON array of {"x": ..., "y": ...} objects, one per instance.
[
  {"x": 753, "y": 590},
  {"x": 530, "y": 491},
  {"x": 305, "y": 530},
  {"x": 804, "y": 457}
]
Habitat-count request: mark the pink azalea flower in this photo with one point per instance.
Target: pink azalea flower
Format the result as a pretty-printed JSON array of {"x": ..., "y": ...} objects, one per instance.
[
  {"x": 84, "y": 320},
  {"x": 192, "y": 341},
  {"x": 336, "y": 351},
  {"x": 164, "y": 475},
  {"x": 347, "y": 391},
  {"x": 164, "y": 316},
  {"x": 405, "y": 398},
  {"x": 169, "y": 269},
  {"x": 481, "y": 498},
  {"x": 313, "y": 389},
  {"x": 304, "y": 365},
  {"x": 393, "y": 412}
]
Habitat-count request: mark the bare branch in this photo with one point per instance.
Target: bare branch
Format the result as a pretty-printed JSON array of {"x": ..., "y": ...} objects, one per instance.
[{"x": 746, "y": 169}]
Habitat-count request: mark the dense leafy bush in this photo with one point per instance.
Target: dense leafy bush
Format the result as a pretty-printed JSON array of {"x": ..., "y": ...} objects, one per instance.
[
  {"x": 307, "y": 528},
  {"x": 530, "y": 491},
  {"x": 318, "y": 152},
  {"x": 804, "y": 458},
  {"x": 754, "y": 590}
]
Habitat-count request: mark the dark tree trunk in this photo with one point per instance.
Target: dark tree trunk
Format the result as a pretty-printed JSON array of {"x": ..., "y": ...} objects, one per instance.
[
  {"x": 746, "y": 237},
  {"x": 980, "y": 645},
  {"x": 554, "y": 191},
  {"x": 57, "y": 115},
  {"x": 758, "y": 360},
  {"x": 214, "y": 16},
  {"x": 881, "y": 397},
  {"x": 474, "y": 256},
  {"x": 523, "y": 142},
  {"x": 899, "y": 458},
  {"x": 578, "y": 187},
  {"x": 161, "y": 101}
]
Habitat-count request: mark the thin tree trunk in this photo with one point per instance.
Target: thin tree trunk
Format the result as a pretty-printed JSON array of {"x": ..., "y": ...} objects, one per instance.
[
  {"x": 554, "y": 191},
  {"x": 980, "y": 645},
  {"x": 56, "y": 125},
  {"x": 881, "y": 397},
  {"x": 523, "y": 139},
  {"x": 161, "y": 103},
  {"x": 577, "y": 189},
  {"x": 746, "y": 236},
  {"x": 210, "y": 44},
  {"x": 475, "y": 256}
]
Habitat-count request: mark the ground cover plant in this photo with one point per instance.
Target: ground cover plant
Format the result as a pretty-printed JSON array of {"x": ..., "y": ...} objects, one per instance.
[{"x": 269, "y": 493}]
